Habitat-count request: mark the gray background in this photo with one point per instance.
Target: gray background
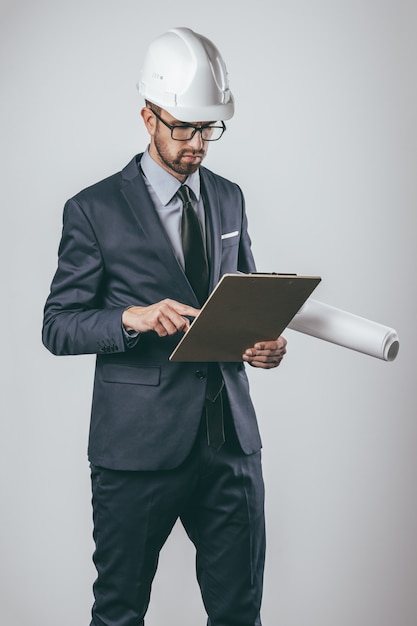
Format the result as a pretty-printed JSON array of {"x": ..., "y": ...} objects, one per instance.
[{"x": 323, "y": 144}]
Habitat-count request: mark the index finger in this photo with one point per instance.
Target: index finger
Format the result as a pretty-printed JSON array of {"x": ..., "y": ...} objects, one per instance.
[
  {"x": 179, "y": 308},
  {"x": 184, "y": 309}
]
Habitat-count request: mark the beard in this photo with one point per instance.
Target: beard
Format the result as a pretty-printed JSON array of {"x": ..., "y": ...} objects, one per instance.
[{"x": 175, "y": 163}]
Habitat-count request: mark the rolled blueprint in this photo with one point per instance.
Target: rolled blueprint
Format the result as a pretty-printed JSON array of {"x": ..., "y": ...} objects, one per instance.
[{"x": 345, "y": 329}]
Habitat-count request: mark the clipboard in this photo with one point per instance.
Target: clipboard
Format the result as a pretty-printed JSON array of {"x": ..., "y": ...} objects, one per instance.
[{"x": 242, "y": 310}]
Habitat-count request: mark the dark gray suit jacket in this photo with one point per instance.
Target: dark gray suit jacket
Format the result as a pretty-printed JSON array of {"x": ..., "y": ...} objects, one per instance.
[{"x": 114, "y": 252}]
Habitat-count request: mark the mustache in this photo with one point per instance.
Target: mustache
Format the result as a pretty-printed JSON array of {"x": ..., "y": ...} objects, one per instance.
[{"x": 186, "y": 152}]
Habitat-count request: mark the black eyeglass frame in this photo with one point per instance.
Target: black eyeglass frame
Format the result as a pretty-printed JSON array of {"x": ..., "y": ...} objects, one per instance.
[{"x": 199, "y": 129}]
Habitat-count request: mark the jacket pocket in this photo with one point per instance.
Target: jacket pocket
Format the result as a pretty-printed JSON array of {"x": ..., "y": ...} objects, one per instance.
[
  {"x": 130, "y": 375},
  {"x": 233, "y": 241}
]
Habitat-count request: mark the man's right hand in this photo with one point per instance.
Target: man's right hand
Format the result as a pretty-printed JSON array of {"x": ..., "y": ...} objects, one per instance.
[{"x": 165, "y": 317}]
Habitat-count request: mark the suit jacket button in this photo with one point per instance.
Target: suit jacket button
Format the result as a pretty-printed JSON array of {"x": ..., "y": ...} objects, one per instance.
[{"x": 200, "y": 374}]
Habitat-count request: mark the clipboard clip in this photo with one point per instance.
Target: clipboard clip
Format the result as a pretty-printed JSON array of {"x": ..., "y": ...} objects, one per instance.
[{"x": 271, "y": 274}]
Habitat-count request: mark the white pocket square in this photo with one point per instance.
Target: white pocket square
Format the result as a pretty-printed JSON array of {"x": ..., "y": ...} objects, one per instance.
[{"x": 228, "y": 235}]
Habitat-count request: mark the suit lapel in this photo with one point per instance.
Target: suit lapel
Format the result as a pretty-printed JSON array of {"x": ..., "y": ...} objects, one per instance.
[
  {"x": 212, "y": 209},
  {"x": 136, "y": 195}
]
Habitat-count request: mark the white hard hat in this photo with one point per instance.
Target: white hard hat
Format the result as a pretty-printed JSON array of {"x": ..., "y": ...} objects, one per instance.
[{"x": 184, "y": 73}]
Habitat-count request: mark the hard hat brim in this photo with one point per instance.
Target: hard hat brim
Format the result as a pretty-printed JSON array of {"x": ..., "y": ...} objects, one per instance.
[{"x": 200, "y": 114}]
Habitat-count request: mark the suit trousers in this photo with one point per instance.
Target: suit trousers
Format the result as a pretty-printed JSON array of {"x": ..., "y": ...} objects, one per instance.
[{"x": 219, "y": 497}]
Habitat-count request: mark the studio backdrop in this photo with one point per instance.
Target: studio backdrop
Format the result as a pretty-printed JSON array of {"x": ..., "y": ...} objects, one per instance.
[{"x": 323, "y": 145}]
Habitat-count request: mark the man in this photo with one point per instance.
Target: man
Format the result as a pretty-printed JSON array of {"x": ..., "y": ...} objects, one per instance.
[{"x": 167, "y": 440}]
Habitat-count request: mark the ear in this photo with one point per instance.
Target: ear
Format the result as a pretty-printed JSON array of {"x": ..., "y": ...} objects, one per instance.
[{"x": 149, "y": 120}]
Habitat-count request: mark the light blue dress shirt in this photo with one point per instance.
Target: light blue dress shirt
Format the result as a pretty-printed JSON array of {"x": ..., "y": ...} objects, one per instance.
[{"x": 162, "y": 188}]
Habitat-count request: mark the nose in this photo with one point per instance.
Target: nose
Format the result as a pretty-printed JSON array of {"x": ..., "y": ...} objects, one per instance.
[{"x": 197, "y": 141}]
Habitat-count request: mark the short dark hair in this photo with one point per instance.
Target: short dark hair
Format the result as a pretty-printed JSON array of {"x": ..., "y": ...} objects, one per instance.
[{"x": 153, "y": 107}]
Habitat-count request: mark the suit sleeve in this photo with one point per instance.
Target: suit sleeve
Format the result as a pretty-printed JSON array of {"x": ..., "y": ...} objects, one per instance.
[{"x": 76, "y": 319}]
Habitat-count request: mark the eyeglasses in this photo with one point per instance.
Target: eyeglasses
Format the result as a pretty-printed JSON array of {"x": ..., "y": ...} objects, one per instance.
[{"x": 185, "y": 132}]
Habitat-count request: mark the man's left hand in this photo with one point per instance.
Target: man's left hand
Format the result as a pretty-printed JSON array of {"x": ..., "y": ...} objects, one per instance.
[{"x": 266, "y": 354}]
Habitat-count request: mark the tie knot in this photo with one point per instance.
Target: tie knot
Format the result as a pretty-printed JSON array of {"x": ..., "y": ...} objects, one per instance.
[{"x": 184, "y": 193}]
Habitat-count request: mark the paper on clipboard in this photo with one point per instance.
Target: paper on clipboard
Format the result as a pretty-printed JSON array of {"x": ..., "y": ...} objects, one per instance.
[{"x": 243, "y": 309}]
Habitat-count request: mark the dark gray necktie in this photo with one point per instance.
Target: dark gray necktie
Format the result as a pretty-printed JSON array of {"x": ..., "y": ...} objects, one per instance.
[
  {"x": 195, "y": 259},
  {"x": 196, "y": 269},
  {"x": 214, "y": 407}
]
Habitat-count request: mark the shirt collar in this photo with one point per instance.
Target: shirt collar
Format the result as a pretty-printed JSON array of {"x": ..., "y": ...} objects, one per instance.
[{"x": 163, "y": 183}]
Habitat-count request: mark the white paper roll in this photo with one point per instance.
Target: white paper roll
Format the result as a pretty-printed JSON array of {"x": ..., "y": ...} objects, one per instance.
[{"x": 346, "y": 329}]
